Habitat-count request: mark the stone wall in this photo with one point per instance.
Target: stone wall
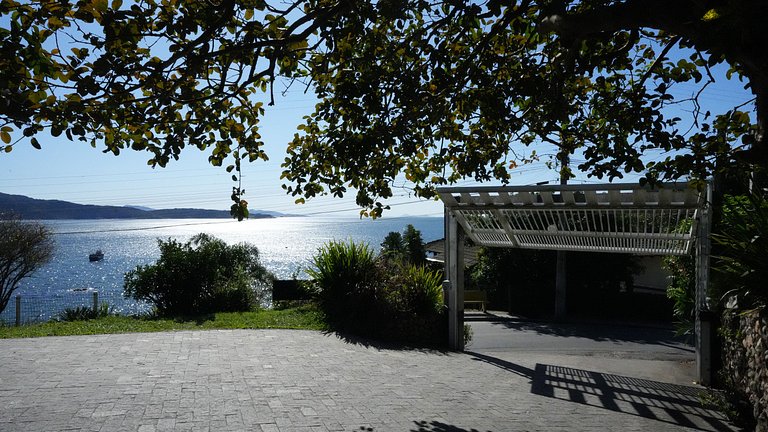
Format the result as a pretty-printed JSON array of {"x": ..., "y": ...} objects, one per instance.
[{"x": 745, "y": 360}]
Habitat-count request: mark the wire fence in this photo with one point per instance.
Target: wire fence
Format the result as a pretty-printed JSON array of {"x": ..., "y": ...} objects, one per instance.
[{"x": 30, "y": 309}]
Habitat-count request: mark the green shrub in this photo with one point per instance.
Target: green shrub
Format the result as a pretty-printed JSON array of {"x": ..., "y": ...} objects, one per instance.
[
  {"x": 414, "y": 305},
  {"x": 682, "y": 287},
  {"x": 347, "y": 283},
  {"x": 741, "y": 246},
  {"x": 203, "y": 275},
  {"x": 365, "y": 296},
  {"x": 682, "y": 291},
  {"x": 416, "y": 290},
  {"x": 84, "y": 313}
]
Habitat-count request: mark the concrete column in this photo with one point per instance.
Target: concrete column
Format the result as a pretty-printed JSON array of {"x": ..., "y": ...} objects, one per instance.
[
  {"x": 561, "y": 284},
  {"x": 454, "y": 271}
]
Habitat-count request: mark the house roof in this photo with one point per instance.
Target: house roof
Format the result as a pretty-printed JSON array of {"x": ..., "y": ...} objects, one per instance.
[{"x": 436, "y": 252}]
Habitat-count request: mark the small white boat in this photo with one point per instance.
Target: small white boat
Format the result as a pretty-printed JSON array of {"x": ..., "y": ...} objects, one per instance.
[{"x": 96, "y": 256}]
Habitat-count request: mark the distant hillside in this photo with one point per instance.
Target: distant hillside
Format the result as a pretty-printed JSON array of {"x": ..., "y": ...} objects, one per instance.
[{"x": 30, "y": 208}]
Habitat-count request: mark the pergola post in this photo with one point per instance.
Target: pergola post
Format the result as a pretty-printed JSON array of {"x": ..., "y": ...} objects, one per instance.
[
  {"x": 454, "y": 270},
  {"x": 703, "y": 324}
]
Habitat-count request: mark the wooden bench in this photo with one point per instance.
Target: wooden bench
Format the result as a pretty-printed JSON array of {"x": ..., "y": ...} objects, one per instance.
[{"x": 475, "y": 297}]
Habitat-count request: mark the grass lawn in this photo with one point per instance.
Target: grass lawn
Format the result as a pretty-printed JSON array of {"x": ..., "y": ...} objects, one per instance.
[{"x": 303, "y": 317}]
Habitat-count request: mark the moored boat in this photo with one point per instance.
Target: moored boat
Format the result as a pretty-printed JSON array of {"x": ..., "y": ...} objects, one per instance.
[{"x": 96, "y": 256}]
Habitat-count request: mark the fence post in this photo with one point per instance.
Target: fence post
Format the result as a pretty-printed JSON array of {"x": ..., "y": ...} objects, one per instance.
[
  {"x": 95, "y": 302},
  {"x": 18, "y": 310}
]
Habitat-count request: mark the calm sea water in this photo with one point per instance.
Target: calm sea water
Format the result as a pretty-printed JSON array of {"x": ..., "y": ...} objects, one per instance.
[{"x": 286, "y": 246}]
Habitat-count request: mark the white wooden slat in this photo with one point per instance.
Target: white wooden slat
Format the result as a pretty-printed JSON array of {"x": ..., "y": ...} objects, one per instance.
[
  {"x": 591, "y": 197},
  {"x": 546, "y": 197},
  {"x": 665, "y": 197},
  {"x": 638, "y": 225},
  {"x": 448, "y": 200},
  {"x": 639, "y": 197}
]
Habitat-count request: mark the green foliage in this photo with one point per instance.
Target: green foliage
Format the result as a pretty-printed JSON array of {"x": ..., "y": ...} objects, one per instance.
[
  {"x": 200, "y": 276},
  {"x": 468, "y": 334},
  {"x": 364, "y": 296},
  {"x": 682, "y": 291},
  {"x": 436, "y": 92},
  {"x": 348, "y": 284},
  {"x": 24, "y": 248},
  {"x": 740, "y": 269},
  {"x": 413, "y": 306},
  {"x": 457, "y": 90},
  {"x": 392, "y": 247},
  {"x": 413, "y": 245},
  {"x": 405, "y": 248},
  {"x": 83, "y": 313},
  {"x": 416, "y": 290}
]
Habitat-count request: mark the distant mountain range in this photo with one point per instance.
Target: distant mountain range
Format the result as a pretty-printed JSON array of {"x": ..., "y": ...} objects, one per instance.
[{"x": 30, "y": 208}]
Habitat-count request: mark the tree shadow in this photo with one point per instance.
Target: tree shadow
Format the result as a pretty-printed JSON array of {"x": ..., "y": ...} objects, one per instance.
[
  {"x": 668, "y": 403},
  {"x": 366, "y": 342},
  {"x": 602, "y": 331},
  {"x": 436, "y": 426}
]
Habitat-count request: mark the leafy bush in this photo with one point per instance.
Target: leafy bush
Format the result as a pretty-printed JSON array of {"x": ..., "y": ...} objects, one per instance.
[
  {"x": 682, "y": 287},
  {"x": 363, "y": 295},
  {"x": 741, "y": 246},
  {"x": 682, "y": 291},
  {"x": 417, "y": 290},
  {"x": 203, "y": 275},
  {"x": 414, "y": 305},
  {"x": 84, "y": 313}
]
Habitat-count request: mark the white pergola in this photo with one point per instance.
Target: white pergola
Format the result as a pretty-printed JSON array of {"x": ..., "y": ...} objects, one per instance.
[{"x": 618, "y": 218}]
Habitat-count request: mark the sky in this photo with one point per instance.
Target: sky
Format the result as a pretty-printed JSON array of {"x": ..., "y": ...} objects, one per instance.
[{"x": 76, "y": 172}]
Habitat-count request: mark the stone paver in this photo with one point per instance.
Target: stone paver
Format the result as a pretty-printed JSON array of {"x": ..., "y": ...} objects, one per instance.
[{"x": 282, "y": 380}]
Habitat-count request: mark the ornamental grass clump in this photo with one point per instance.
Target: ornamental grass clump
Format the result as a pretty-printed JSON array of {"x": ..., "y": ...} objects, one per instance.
[
  {"x": 347, "y": 285},
  {"x": 367, "y": 295},
  {"x": 85, "y": 313}
]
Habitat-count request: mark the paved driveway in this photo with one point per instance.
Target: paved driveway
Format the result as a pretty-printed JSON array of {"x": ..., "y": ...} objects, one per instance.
[{"x": 282, "y": 380}]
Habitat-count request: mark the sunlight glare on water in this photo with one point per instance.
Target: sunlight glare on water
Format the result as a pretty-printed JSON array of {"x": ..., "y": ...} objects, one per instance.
[{"x": 286, "y": 245}]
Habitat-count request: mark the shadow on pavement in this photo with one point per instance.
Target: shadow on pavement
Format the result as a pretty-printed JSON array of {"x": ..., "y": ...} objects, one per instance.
[
  {"x": 384, "y": 345},
  {"x": 436, "y": 426},
  {"x": 668, "y": 403},
  {"x": 596, "y": 331}
]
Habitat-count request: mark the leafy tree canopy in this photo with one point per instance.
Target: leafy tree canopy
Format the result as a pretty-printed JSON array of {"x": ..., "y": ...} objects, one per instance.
[{"x": 434, "y": 91}]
